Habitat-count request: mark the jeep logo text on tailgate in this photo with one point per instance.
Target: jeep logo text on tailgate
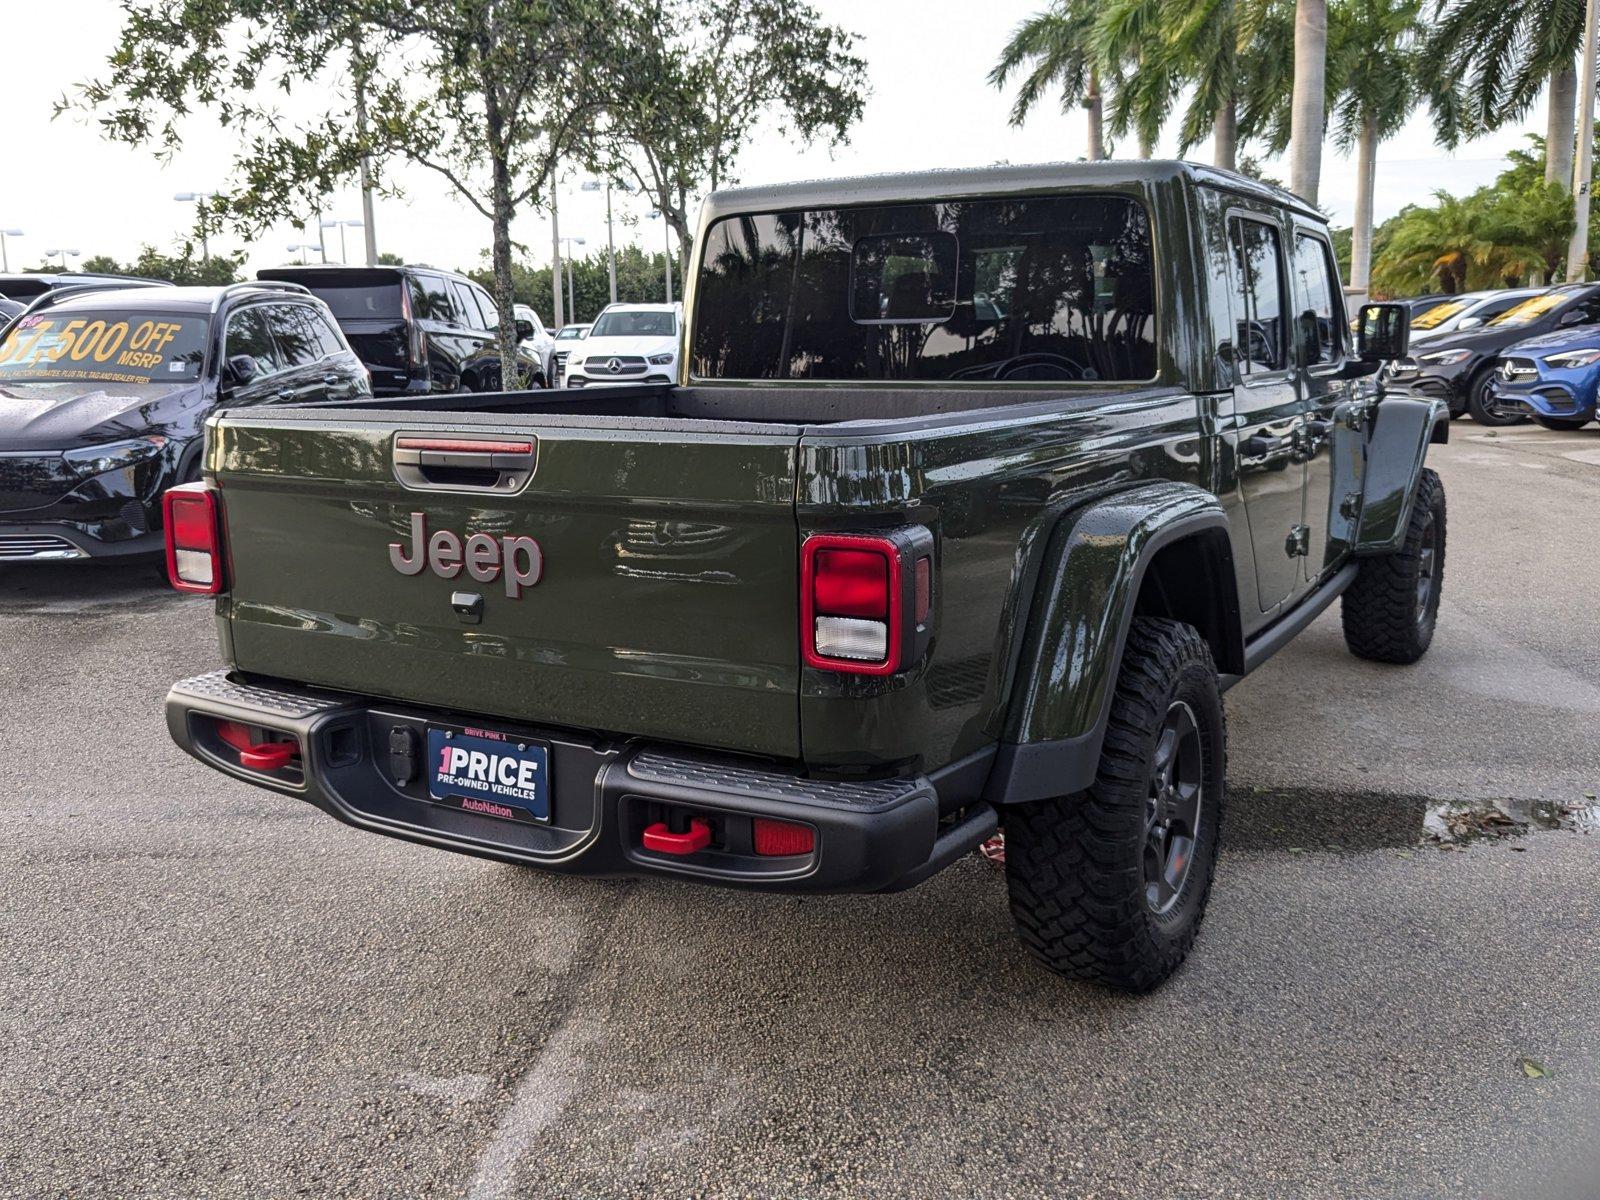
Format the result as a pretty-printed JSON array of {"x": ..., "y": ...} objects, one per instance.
[{"x": 484, "y": 558}]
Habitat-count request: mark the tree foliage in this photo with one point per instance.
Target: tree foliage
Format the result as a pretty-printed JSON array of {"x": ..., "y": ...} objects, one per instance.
[
  {"x": 184, "y": 268},
  {"x": 487, "y": 94},
  {"x": 703, "y": 76},
  {"x": 1513, "y": 231}
]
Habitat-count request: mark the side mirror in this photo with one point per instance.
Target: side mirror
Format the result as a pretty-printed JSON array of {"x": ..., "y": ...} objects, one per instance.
[
  {"x": 524, "y": 329},
  {"x": 1383, "y": 333},
  {"x": 242, "y": 369},
  {"x": 1469, "y": 323},
  {"x": 1576, "y": 316}
]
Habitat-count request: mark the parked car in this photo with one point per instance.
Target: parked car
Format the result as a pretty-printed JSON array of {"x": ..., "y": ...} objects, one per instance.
[
  {"x": 9, "y": 308},
  {"x": 27, "y": 286},
  {"x": 1471, "y": 310},
  {"x": 884, "y": 570},
  {"x": 418, "y": 329},
  {"x": 538, "y": 344},
  {"x": 104, "y": 397},
  {"x": 1553, "y": 378},
  {"x": 1458, "y": 367},
  {"x": 629, "y": 343},
  {"x": 560, "y": 347}
]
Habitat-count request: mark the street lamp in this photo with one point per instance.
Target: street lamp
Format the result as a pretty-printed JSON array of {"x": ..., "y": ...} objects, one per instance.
[
  {"x": 572, "y": 297},
  {"x": 343, "y": 225},
  {"x": 594, "y": 185},
  {"x": 667, "y": 229},
  {"x": 5, "y": 256},
  {"x": 303, "y": 248},
  {"x": 49, "y": 254},
  {"x": 199, "y": 200}
]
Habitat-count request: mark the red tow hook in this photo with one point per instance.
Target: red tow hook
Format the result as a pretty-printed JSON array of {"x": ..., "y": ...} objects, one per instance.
[
  {"x": 662, "y": 840},
  {"x": 268, "y": 756}
]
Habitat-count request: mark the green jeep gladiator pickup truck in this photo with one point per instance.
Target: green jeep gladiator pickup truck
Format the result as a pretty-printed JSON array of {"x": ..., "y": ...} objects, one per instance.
[{"x": 976, "y": 491}]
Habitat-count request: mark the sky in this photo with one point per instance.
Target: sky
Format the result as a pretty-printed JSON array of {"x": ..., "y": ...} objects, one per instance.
[{"x": 67, "y": 188}]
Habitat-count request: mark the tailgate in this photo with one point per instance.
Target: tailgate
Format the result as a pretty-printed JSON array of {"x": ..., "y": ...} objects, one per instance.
[{"x": 666, "y": 600}]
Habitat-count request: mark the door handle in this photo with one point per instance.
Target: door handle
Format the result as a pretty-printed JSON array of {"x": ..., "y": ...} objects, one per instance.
[
  {"x": 330, "y": 379},
  {"x": 1262, "y": 450},
  {"x": 285, "y": 393}
]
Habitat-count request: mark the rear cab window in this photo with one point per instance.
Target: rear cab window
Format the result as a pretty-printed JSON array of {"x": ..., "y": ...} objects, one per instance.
[
  {"x": 1047, "y": 288},
  {"x": 104, "y": 345}
]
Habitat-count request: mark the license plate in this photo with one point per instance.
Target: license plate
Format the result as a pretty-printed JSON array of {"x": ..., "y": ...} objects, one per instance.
[{"x": 490, "y": 774}]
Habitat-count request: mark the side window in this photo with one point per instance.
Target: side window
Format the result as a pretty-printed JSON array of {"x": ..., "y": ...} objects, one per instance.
[
  {"x": 1257, "y": 255},
  {"x": 491, "y": 314},
  {"x": 248, "y": 335},
  {"x": 1317, "y": 299},
  {"x": 298, "y": 344},
  {"x": 326, "y": 333},
  {"x": 430, "y": 299},
  {"x": 466, "y": 305},
  {"x": 1495, "y": 307}
]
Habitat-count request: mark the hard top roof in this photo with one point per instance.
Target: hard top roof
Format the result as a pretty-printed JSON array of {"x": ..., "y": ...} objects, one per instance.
[{"x": 913, "y": 186}]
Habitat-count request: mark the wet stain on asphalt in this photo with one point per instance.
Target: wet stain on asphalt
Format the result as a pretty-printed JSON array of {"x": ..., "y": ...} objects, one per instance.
[{"x": 1304, "y": 820}]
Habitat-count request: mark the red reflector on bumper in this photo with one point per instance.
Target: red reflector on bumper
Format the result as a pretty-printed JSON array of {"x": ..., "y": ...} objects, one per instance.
[{"x": 779, "y": 839}]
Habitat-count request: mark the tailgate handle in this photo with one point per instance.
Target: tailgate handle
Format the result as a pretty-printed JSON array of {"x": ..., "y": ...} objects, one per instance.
[{"x": 464, "y": 464}]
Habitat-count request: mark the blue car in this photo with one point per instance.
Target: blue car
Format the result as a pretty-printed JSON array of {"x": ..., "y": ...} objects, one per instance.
[{"x": 1552, "y": 378}]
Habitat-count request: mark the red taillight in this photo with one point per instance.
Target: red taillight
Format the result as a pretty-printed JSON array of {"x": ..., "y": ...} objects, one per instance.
[
  {"x": 851, "y": 602},
  {"x": 781, "y": 839},
  {"x": 852, "y": 583},
  {"x": 194, "y": 539}
]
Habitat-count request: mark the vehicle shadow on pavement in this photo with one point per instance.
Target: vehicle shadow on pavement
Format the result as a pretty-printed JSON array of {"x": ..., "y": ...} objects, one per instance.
[{"x": 74, "y": 587}]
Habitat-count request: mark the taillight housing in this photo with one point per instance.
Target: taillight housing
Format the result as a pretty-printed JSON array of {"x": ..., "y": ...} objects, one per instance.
[
  {"x": 194, "y": 539},
  {"x": 865, "y": 600}
]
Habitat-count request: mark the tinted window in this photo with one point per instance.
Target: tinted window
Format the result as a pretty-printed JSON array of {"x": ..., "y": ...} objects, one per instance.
[
  {"x": 247, "y": 334},
  {"x": 466, "y": 305},
  {"x": 103, "y": 344},
  {"x": 299, "y": 343},
  {"x": 622, "y": 323},
  {"x": 430, "y": 299},
  {"x": 903, "y": 277},
  {"x": 357, "y": 303},
  {"x": 1258, "y": 284},
  {"x": 491, "y": 314},
  {"x": 1053, "y": 288},
  {"x": 325, "y": 331},
  {"x": 1317, "y": 299}
]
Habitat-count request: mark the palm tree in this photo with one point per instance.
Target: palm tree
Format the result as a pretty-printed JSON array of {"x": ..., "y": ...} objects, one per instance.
[
  {"x": 1309, "y": 103},
  {"x": 1373, "y": 54},
  {"x": 1059, "y": 45},
  {"x": 1445, "y": 241},
  {"x": 1506, "y": 52}
]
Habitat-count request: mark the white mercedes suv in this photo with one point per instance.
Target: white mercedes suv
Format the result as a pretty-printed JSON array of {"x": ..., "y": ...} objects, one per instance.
[{"x": 630, "y": 343}]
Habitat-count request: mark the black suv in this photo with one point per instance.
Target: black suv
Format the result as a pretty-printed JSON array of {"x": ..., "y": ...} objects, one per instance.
[
  {"x": 104, "y": 397},
  {"x": 418, "y": 329},
  {"x": 1459, "y": 367},
  {"x": 29, "y": 286}
]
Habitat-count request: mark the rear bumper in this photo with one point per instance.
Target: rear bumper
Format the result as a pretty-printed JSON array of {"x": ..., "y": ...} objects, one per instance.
[{"x": 870, "y": 836}]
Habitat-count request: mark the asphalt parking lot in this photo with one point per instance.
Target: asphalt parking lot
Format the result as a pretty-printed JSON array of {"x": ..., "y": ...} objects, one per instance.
[{"x": 213, "y": 991}]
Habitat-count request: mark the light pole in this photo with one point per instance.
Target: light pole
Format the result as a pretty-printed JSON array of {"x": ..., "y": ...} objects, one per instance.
[
  {"x": 611, "y": 243},
  {"x": 199, "y": 199},
  {"x": 555, "y": 251},
  {"x": 49, "y": 254},
  {"x": 654, "y": 213},
  {"x": 572, "y": 296},
  {"x": 5, "y": 255},
  {"x": 343, "y": 225},
  {"x": 302, "y": 247},
  {"x": 1583, "y": 169}
]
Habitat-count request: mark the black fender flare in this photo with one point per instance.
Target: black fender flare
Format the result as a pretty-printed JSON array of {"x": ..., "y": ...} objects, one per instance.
[{"x": 1077, "y": 626}]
